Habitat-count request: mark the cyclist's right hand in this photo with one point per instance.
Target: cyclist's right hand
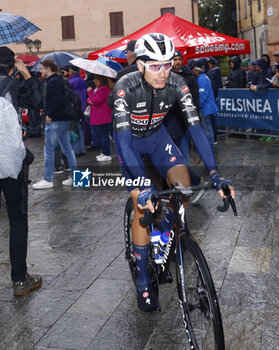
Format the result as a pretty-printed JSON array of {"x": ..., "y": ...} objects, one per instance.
[
  {"x": 144, "y": 199},
  {"x": 217, "y": 181}
]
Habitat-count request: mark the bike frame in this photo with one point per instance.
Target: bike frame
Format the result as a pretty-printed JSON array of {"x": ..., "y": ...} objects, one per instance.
[{"x": 174, "y": 246}]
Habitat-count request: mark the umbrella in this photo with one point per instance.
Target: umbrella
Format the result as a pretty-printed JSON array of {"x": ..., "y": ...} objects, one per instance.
[
  {"x": 117, "y": 55},
  {"x": 14, "y": 29},
  {"x": 110, "y": 63},
  {"x": 28, "y": 58},
  {"x": 95, "y": 67},
  {"x": 61, "y": 58}
]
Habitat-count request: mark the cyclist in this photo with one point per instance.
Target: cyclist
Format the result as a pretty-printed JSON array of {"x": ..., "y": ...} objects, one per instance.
[{"x": 141, "y": 100}]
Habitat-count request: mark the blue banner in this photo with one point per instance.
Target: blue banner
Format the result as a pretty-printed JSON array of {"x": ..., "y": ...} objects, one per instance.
[{"x": 244, "y": 108}]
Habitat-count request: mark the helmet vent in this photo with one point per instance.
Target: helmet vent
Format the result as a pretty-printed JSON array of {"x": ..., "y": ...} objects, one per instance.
[{"x": 148, "y": 46}]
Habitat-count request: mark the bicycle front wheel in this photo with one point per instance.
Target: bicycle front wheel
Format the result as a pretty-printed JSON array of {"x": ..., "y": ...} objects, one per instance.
[{"x": 198, "y": 298}]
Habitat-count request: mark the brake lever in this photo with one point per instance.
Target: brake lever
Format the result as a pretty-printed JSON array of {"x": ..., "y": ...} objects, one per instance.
[
  {"x": 146, "y": 220},
  {"x": 229, "y": 201}
]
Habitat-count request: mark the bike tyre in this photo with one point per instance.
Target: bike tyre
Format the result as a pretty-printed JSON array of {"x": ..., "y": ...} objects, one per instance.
[{"x": 201, "y": 295}]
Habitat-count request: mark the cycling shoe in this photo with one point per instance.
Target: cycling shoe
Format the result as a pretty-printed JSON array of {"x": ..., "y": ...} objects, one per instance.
[{"x": 147, "y": 299}]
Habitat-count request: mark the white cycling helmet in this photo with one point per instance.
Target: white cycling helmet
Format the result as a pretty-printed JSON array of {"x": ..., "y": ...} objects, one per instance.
[{"x": 154, "y": 47}]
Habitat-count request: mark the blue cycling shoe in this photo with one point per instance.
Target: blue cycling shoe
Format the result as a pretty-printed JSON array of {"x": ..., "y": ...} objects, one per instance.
[{"x": 147, "y": 299}]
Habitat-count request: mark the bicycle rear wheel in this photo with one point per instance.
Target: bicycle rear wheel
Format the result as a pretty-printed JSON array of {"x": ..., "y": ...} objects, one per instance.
[{"x": 198, "y": 298}]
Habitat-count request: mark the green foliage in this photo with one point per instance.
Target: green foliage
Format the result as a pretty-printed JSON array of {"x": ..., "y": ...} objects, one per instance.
[
  {"x": 218, "y": 15},
  {"x": 224, "y": 65}
]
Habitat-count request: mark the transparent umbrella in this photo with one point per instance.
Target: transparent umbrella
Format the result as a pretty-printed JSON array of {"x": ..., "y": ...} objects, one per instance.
[{"x": 95, "y": 67}]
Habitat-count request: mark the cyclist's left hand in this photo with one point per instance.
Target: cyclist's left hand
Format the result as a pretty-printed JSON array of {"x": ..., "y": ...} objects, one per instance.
[
  {"x": 144, "y": 199},
  {"x": 217, "y": 180}
]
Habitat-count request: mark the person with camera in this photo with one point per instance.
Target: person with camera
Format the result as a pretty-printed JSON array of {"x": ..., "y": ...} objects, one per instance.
[{"x": 14, "y": 163}]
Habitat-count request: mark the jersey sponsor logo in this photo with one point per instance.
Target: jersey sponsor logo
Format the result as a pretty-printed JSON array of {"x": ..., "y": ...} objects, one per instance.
[
  {"x": 193, "y": 119},
  {"x": 187, "y": 100},
  {"x": 172, "y": 159},
  {"x": 122, "y": 125},
  {"x": 137, "y": 111},
  {"x": 119, "y": 114},
  {"x": 141, "y": 104},
  {"x": 143, "y": 119},
  {"x": 162, "y": 105},
  {"x": 120, "y": 104},
  {"x": 121, "y": 93},
  {"x": 185, "y": 88},
  {"x": 168, "y": 148}
]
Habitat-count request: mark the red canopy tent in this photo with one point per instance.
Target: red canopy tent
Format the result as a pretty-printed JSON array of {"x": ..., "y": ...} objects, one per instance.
[{"x": 192, "y": 40}]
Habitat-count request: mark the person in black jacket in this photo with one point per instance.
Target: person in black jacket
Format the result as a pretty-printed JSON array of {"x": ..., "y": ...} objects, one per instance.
[
  {"x": 25, "y": 94},
  {"x": 237, "y": 76},
  {"x": 57, "y": 125},
  {"x": 263, "y": 76},
  {"x": 173, "y": 120}
]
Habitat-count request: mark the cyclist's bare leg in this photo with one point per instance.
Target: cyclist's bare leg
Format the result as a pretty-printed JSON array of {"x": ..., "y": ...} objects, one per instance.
[
  {"x": 139, "y": 232},
  {"x": 179, "y": 174}
]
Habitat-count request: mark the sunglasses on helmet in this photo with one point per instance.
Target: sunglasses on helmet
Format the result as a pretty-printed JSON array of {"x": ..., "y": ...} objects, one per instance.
[{"x": 156, "y": 67}]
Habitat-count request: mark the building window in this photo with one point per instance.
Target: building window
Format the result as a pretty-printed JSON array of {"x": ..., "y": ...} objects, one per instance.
[
  {"x": 165, "y": 10},
  {"x": 116, "y": 23},
  {"x": 245, "y": 8},
  {"x": 259, "y": 5},
  {"x": 68, "y": 27}
]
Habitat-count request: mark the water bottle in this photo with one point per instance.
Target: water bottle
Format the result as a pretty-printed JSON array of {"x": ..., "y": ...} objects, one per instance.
[
  {"x": 162, "y": 244},
  {"x": 155, "y": 236}
]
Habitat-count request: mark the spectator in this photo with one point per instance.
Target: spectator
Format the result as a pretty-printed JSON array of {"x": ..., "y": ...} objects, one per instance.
[
  {"x": 214, "y": 75},
  {"x": 80, "y": 88},
  {"x": 207, "y": 100},
  {"x": 57, "y": 124},
  {"x": 276, "y": 78},
  {"x": 263, "y": 76},
  {"x": 25, "y": 94},
  {"x": 251, "y": 72},
  {"x": 244, "y": 64},
  {"x": 34, "y": 115},
  {"x": 237, "y": 76},
  {"x": 266, "y": 57},
  {"x": 100, "y": 114},
  {"x": 131, "y": 58},
  {"x": 276, "y": 56},
  {"x": 173, "y": 120}
]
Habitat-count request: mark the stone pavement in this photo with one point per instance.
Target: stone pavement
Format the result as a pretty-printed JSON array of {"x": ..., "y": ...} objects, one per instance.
[{"x": 88, "y": 300}]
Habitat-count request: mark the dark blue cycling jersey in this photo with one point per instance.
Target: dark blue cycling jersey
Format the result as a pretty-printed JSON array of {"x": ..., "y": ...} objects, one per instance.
[{"x": 138, "y": 114}]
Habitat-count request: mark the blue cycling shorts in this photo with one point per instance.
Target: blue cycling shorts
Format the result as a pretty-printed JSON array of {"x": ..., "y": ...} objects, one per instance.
[{"x": 160, "y": 148}]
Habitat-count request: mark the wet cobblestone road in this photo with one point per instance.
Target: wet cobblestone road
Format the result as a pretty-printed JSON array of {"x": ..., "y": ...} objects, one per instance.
[{"x": 88, "y": 300}]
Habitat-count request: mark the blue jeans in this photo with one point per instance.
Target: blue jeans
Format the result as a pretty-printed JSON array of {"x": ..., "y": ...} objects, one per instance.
[
  {"x": 58, "y": 131},
  {"x": 102, "y": 132},
  {"x": 95, "y": 139},
  {"x": 78, "y": 146},
  {"x": 207, "y": 125}
]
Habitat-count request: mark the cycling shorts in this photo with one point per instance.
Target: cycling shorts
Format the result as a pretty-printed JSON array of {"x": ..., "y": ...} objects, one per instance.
[{"x": 161, "y": 150}]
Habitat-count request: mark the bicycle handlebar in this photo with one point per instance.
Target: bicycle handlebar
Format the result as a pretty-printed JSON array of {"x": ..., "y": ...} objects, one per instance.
[{"x": 188, "y": 191}]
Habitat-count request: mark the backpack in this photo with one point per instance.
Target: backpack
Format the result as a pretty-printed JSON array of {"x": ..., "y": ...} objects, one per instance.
[
  {"x": 72, "y": 103},
  {"x": 12, "y": 149}
]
